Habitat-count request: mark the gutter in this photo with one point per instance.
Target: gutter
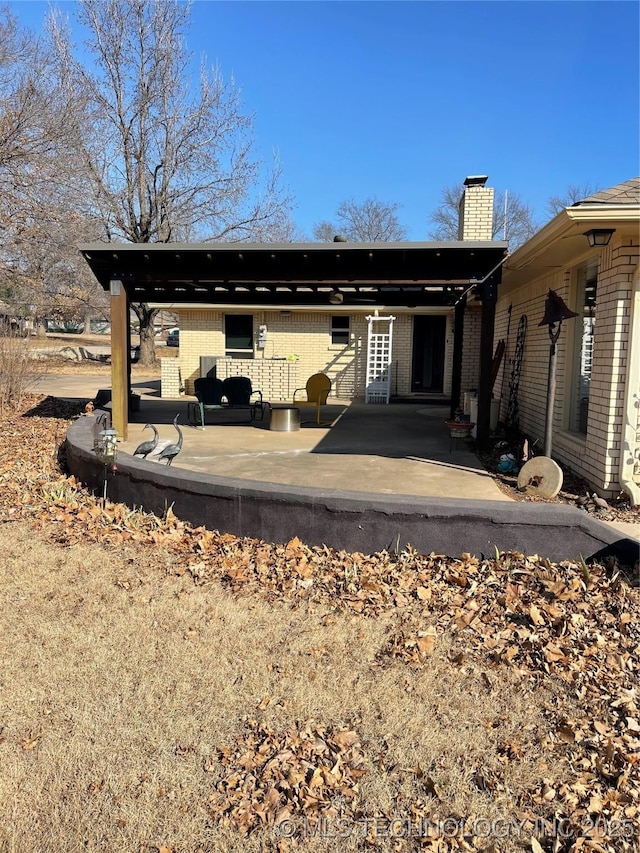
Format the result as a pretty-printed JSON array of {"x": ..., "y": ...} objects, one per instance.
[
  {"x": 568, "y": 223},
  {"x": 631, "y": 398}
]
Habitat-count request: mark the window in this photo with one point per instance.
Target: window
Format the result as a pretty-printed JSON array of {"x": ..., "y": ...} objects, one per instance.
[
  {"x": 583, "y": 347},
  {"x": 238, "y": 335},
  {"x": 340, "y": 329}
]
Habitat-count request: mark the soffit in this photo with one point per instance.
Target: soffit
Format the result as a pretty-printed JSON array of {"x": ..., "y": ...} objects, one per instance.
[{"x": 562, "y": 243}]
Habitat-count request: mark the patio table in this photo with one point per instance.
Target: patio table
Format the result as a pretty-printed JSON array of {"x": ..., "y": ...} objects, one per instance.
[{"x": 284, "y": 417}]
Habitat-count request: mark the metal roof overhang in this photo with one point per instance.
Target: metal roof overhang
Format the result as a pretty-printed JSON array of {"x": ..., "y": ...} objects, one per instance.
[{"x": 295, "y": 274}]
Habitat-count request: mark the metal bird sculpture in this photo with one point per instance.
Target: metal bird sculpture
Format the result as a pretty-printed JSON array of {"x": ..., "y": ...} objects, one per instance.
[
  {"x": 599, "y": 502},
  {"x": 171, "y": 450},
  {"x": 147, "y": 447}
]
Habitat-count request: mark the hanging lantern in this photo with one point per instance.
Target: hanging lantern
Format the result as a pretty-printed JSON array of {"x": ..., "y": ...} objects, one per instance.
[{"x": 106, "y": 445}]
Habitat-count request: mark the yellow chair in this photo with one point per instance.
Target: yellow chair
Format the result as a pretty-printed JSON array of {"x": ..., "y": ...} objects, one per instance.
[{"x": 317, "y": 390}]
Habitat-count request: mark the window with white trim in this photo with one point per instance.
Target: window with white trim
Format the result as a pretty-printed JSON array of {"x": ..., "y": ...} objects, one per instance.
[
  {"x": 587, "y": 286},
  {"x": 238, "y": 335}
]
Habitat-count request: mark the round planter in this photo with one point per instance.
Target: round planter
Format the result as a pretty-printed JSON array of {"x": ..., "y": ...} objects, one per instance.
[{"x": 460, "y": 429}]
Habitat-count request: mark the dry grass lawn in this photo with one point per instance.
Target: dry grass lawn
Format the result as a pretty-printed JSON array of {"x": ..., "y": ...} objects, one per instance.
[
  {"x": 164, "y": 689},
  {"x": 122, "y": 683}
]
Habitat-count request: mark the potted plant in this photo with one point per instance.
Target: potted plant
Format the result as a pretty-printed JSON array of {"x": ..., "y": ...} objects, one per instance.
[{"x": 460, "y": 429}]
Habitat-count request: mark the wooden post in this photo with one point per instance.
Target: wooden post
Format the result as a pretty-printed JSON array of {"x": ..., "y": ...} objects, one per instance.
[
  {"x": 119, "y": 309},
  {"x": 456, "y": 368}
]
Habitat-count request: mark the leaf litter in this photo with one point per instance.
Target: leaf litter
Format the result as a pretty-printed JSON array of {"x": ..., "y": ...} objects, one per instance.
[{"x": 569, "y": 624}]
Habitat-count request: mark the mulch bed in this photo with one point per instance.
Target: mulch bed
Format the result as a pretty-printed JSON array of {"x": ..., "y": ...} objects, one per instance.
[{"x": 575, "y": 490}]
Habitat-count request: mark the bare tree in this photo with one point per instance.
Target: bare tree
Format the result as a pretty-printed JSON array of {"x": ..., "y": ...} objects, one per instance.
[
  {"x": 27, "y": 127},
  {"x": 370, "y": 221},
  {"x": 515, "y": 224},
  {"x": 39, "y": 219},
  {"x": 572, "y": 194},
  {"x": 164, "y": 163}
]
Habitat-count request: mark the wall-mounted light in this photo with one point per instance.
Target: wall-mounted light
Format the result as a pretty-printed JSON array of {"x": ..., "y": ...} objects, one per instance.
[
  {"x": 336, "y": 298},
  {"x": 599, "y": 237}
]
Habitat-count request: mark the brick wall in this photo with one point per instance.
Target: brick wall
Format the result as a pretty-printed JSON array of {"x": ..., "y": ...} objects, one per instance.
[
  {"x": 170, "y": 383},
  {"x": 308, "y": 335},
  {"x": 476, "y": 214},
  {"x": 276, "y": 380},
  {"x": 596, "y": 455},
  {"x": 613, "y": 307},
  {"x": 470, "y": 378}
]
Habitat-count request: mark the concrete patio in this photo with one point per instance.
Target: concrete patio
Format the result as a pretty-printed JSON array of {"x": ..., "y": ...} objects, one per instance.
[
  {"x": 383, "y": 450},
  {"x": 368, "y": 478}
]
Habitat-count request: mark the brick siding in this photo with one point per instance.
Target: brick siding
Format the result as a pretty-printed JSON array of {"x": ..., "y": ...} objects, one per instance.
[
  {"x": 476, "y": 214},
  {"x": 596, "y": 455},
  {"x": 308, "y": 335}
]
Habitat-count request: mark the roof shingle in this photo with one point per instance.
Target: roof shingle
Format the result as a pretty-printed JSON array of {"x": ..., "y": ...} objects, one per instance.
[{"x": 627, "y": 192}]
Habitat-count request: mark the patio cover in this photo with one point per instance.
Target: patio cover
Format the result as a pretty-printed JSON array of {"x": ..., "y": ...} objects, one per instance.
[
  {"x": 294, "y": 274},
  {"x": 392, "y": 275}
]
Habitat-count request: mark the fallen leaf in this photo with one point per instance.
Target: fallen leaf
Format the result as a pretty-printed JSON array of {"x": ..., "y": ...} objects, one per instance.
[
  {"x": 426, "y": 645},
  {"x": 535, "y": 615}
]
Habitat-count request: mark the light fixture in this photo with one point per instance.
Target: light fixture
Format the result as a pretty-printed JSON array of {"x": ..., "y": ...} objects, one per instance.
[
  {"x": 105, "y": 447},
  {"x": 336, "y": 298},
  {"x": 599, "y": 237}
]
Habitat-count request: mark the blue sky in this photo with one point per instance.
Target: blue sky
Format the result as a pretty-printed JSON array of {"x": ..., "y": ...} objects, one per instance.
[{"x": 397, "y": 99}]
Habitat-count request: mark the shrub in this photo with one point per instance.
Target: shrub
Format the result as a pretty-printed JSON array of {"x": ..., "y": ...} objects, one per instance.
[{"x": 16, "y": 368}]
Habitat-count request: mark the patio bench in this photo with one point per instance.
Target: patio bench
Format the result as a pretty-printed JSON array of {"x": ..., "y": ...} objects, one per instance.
[{"x": 234, "y": 392}]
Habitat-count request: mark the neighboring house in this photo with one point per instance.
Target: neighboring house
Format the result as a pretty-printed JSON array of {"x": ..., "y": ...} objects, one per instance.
[{"x": 596, "y": 424}]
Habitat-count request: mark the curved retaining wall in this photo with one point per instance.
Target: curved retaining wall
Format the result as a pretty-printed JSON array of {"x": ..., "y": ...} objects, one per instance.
[{"x": 354, "y": 521}]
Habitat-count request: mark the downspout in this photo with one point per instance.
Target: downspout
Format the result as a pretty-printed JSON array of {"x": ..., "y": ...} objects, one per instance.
[{"x": 631, "y": 398}]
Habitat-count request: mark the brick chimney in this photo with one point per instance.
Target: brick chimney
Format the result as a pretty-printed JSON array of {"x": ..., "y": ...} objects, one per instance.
[{"x": 475, "y": 211}]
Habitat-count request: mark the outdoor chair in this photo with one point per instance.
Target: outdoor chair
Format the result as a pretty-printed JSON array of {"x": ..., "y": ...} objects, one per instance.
[
  {"x": 209, "y": 392},
  {"x": 235, "y": 392},
  {"x": 239, "y": 394},
  {"x": 317, "y": 390}
]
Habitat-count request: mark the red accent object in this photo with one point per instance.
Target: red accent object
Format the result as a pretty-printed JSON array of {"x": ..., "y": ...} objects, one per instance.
[{"x": 462, "y": 425}]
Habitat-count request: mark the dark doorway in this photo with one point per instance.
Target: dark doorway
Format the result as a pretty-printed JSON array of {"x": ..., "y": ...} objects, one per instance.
[{"x": 428, "y": 353}]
